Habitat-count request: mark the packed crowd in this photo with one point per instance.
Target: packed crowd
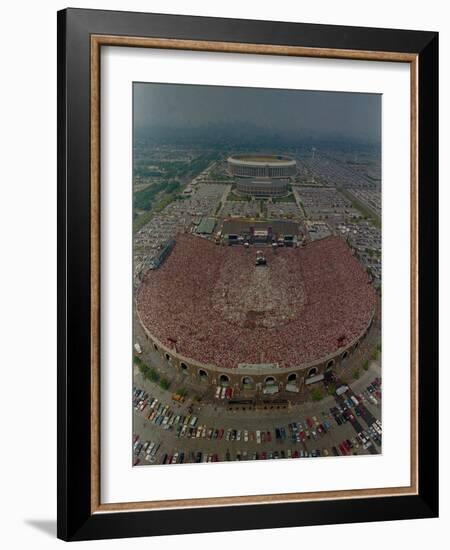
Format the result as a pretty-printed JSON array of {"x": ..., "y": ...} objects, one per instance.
[
  {"x": 253, "y": 296},
  {"x": 318, "y": 300}
]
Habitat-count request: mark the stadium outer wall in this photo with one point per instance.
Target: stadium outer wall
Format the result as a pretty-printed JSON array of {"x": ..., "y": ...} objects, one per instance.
[
  {"x": 257, "y": 166},
  {"x": 212, "y": 375}
]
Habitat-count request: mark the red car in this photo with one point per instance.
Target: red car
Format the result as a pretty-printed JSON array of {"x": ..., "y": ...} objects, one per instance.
[
  {"x": 269, "y": 437},
  {"x": 309, "y": 422},
  {"x": 302, "y": 436},
  {"x": 343, "y": 449},
  {"x": 220, "y": 434},
  {"x": 229, "y": 393},
  {"x": 264, "y": 455},
  {"x": 349, "y": 415},
  {"x": 295, "y": 454}
]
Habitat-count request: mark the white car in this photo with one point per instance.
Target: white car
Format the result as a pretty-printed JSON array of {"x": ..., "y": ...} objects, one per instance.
[
  {"x": 193, "y": 421},
  {"x": 155, "y": 449},
  {"x": 218, "y": 390},
  {"x": 258, "y": 436},
  {"x": 246, "y": 435}
]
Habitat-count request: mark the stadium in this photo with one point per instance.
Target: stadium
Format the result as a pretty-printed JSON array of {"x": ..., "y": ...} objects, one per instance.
[
  {"x": 220, "y": 318},
  {"x": 262, "y": 175},
  {"x": 261, "y": 166}
]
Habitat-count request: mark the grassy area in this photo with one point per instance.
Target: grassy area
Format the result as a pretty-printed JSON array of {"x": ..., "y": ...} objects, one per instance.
[
  {"x": 144, "y": 199},
  {"x": 142, "y": 219},
  {"x": 155, "y": 197},
  {"x": 218, "y": 176},
  {"x": 302, "y": 208},
  {"x": 147, "y": 372}
]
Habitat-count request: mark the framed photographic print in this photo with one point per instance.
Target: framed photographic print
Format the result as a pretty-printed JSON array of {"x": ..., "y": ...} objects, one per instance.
[{"x": 247, "y": 274}]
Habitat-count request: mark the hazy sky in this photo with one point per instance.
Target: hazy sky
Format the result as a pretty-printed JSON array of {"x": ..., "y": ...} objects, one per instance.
[{"x": 329, "y": 113}]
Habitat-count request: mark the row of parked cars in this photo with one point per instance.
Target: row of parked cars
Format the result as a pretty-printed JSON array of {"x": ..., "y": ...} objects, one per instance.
[
  {"x": 224, "y": 392},
  {"x": 146, "y": 450},
  {"x": 374, "y": 432},
  {"x": 345, "y": 448},
  {"x": 160, "y": 414},
  {"x": 186, "y": 425},
  {"x": 373, "y": 392},
  {"x": 311, "y": 428},
  {"x": 343, "y": 413}
]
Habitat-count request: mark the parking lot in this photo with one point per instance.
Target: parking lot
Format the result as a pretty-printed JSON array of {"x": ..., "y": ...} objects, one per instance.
[{"x": 168, "y": 431}]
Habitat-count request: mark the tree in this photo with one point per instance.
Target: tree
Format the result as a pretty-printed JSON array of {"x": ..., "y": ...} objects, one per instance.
[
  {"x": 152, "y": 375},
  {"x": 142, "y": 369},
  {"x": 316, "y": 394},
  {"x": 366, "y": 365},
  {"x": 355, "y": 374},
  {"x": 331, "y": 389},
  {"x": 164, "y": 383}
]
